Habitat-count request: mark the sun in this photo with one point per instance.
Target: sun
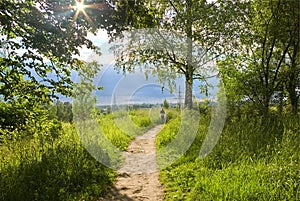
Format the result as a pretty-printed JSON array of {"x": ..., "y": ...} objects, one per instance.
[{"x": 80, "y": 6}]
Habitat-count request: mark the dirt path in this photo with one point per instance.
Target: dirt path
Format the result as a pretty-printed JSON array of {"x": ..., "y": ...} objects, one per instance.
[{"x": 138, "y": 177}]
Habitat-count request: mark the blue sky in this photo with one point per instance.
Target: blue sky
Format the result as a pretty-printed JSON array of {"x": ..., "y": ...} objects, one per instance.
[{"x": 132, "y": 87}]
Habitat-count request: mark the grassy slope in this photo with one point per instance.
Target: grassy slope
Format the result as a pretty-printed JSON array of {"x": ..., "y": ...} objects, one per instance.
[{"x": 254, "y": 159}]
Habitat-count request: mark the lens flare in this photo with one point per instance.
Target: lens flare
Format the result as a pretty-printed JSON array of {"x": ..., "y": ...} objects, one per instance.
[{"x": 80, "y": 6}]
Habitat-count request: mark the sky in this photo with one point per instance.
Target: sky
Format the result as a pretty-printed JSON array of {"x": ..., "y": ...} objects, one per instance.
[{"x": 132, "y": 87}]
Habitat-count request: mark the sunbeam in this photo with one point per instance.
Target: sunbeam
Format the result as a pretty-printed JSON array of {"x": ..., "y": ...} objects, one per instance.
[{"x": 80, "y": 7}]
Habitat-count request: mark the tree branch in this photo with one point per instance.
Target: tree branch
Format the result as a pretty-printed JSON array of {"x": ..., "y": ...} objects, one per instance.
[{"x": 172, "y": 4}]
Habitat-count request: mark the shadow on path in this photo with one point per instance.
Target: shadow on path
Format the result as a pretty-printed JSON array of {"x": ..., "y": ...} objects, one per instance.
[{"x": 114, "y": 194}]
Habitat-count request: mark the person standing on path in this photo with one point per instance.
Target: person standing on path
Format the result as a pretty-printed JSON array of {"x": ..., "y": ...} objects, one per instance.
[{"x": 162, "y": 115}]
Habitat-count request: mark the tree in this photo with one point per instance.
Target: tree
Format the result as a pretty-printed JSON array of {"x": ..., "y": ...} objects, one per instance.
[
  {"x": 166, "y": 104},
  {"x": 84, "y": 102},
  {"x": 64, "y": 111},
  {"x": 39, "y": 43},
  {"x": 290, "y": 19},
  {"x": 255, "y": 68},
  {"x": 186, "y": 41}
]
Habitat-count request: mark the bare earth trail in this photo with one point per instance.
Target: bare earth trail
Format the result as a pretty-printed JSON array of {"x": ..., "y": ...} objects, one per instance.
[{"x": 138, "y": 177}]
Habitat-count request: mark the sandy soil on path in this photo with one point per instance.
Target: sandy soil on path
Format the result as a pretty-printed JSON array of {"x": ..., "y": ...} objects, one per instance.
[{"x": 138, "y": 177}]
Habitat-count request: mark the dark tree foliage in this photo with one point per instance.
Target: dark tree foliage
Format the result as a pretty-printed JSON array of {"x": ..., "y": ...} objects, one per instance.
[
  {"x": 64, "y": 111},
  {"x": 264, "y": 68}
]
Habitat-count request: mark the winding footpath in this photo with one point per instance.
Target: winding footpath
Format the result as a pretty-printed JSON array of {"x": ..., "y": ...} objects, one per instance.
[{"x": 138, "y": 177}]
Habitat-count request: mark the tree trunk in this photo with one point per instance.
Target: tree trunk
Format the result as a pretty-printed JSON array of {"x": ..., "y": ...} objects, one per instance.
[
  {"x": 189, "y": 57},
  {"x": 295, "y": 107},
  {"x": 188, "y": 101},
  {"x": 293, "y": 101},
  {"x": 265, "y": 107},
  {"x": 280, "y": 106},
  {"x": 280, "y": 98},
  {"x": 291, "y": 88}
]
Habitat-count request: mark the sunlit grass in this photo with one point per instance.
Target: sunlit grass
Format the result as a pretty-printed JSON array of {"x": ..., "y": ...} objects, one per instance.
[
  {"x": 255, "y": 159},
  {"x": 55, "y": 165}
]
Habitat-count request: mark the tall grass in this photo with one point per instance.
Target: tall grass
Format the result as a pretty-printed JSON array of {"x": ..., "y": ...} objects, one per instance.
[
  {"x": 123, "y": 126},
  {"x": 33, "y": 169},
  {"x": 255, "y": 159},
  {"x": 53, "y": 164}
]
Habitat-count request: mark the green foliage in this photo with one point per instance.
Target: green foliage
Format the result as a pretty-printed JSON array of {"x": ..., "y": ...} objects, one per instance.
[
  {"x": 172, "y": 114},
  {"x": 255, "y": 159},
  {"x": 25, "y": 120},
  {"x": 27, "y": 75},
  {"x": 64, "y": 111},
  {"x": 140, "y": 118},
  {"x": 168, "y": 133},
  {"x": 184, "y": 42},
  {"x": 112, "y": 132},
  {"x": 14, "y": 116},
  {"x": 258, "y": 67},
  {"x": 243, "y": 181},
  {"x": 39, "y": 41},
  {"x": 51, "y": 163},
  {"x": 84, "y": 101},
  {"x": 166, "y": 104}
]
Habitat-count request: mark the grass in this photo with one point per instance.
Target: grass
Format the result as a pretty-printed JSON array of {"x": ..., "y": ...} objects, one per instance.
[
  {"x": 42, "y": 170},
  {"x": 53, "y": 163},
  {"x": 123, "y": 126},
  {"x": 255, "y": 159}
]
